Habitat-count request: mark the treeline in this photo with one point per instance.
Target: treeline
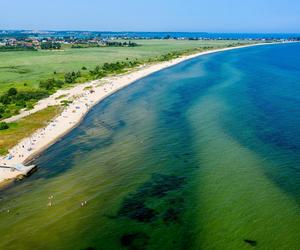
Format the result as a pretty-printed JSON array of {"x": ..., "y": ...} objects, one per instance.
[
  {"x": 112, "y": 68},
  {"x": 50, "y": 45},
  {"x": 16, "y": 48},
  {"x": 52, "y": 84},
  {"x": 99, "y": 71},
  {"x": 13, "y": 100},
  {"x": 169, "y": 56},
  {"x": 120, "y": 44},
  {"x": 83, "y": 46}
]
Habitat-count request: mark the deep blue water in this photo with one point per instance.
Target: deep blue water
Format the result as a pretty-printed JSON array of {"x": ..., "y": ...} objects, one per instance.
[{"x": 203, "y": 35}]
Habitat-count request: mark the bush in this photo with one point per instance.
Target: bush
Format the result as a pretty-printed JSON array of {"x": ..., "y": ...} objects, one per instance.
[
  {"x": 2, "y": 109},
  {"x": 71, "y": 77},
  {"x": 29, "y": 105},
  {"x": 12, "y": 91},
  {"x": 3, "y": 126},
  {"x": 21, "y": 103},
  {"x": 51, "y": 84},
  {"x": 31, "y": 95},
  {"x": 5, "y": 99}
]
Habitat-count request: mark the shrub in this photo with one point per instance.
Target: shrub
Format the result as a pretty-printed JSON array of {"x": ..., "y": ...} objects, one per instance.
[
  {"x": 12, "y": 91},
  {"x": 29, "y": 105},
  {"x": 3, "y": 126},
  {"x": 5, "y": 99},
  {"x": 51, "y": 84},
  {"x": 2, "y": 109},
  {"x": 31, "y": 95},
  {"x": 70, "y": 77}
]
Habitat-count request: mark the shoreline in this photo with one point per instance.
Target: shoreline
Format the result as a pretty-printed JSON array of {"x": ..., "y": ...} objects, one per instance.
[{"x": 86, "y": 96}]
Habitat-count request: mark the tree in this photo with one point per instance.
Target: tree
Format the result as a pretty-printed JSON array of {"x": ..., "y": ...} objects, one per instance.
[
  {"x": 70, "y": 77},
  {"x": 5, "y": 99},
  {"x": 12, "y": 91},
  {"x": 2, "y": 111},
  {"x": 51, "y": 84},
  {"x": 78, "y": 74}
]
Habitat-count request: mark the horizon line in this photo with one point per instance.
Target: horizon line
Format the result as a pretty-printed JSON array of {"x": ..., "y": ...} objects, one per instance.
[{"x": 139, "y": 31}]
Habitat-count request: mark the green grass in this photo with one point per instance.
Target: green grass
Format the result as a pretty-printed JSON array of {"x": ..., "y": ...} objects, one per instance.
[
  {"x": 29, "y": 67},
  {"x": 25, "y": 127}
]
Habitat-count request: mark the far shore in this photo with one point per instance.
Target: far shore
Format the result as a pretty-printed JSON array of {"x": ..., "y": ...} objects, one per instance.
[{"x": 84, "y": 97}]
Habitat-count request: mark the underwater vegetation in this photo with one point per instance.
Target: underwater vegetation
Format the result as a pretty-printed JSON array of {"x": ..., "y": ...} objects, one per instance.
[
  {"x": 135, "y": 205},
  {"x": 145, "y": 206},
  {"x": 135, "y": 241}
]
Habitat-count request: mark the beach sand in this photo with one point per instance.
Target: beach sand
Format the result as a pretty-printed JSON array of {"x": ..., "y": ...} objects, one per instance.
[{"x": 84, "y": 97}]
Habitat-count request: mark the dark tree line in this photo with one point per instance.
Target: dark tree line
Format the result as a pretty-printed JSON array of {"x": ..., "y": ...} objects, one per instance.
[
  {"x": 17, "y": 48},
  {"x": 121, "y": 44},
  {"x": 50, "y": 45}
]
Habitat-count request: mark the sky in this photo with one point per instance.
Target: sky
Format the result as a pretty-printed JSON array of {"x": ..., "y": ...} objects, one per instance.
[{"x": 256, "y": 16}]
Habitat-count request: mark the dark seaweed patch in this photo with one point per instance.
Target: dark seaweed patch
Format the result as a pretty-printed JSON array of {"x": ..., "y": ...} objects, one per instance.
[
  {"x": 171, "y": 215},
  {"x": 160, "y": 185},
  {"x": 90, "y": 248},
  {"x": 296, "y": 169},
  {"x": 135, "y": 241},
  {"x": 135, "y": 209},
  {"x": 106, "y": 125},
  {"x": 184, "y": 157},
  {"x": 134, "y": 206},
  {"x": 110, "y": 127},
  {"x": 178, "y": 201},
  {"x": 251, "y": 242},
  {"x": 121, "y": 124}
]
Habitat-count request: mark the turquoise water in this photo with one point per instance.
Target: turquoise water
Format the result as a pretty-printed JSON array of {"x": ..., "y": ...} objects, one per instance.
[{"x": 203, "y": 155}]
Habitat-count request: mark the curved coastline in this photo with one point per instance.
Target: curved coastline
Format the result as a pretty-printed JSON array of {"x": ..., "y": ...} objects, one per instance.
[{"x": 29, "y": 148}]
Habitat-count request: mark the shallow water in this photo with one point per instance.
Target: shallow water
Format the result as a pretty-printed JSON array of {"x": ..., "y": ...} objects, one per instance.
[{"x": 203, "y": 155}]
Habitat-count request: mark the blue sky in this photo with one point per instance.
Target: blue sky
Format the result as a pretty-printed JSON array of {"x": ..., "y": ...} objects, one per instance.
[{"x": 272, "y": 16}]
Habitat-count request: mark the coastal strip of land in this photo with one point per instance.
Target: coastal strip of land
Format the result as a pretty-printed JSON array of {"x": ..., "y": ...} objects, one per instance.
[{"x": 79, "y": 100}]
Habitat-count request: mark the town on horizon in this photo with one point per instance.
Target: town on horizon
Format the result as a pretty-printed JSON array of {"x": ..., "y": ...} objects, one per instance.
[{"x": 48, "y": 39}]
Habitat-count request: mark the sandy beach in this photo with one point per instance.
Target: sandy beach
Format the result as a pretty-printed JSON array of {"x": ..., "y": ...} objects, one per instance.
[{"x": 84, "y": 97}]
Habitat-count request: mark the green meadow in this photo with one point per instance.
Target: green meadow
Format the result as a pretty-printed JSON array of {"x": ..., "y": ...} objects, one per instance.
[{"x": 24, "y": 69}]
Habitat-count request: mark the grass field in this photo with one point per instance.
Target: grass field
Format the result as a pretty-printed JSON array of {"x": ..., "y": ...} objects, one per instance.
[
  {"x": 25, "y": 127},
  {"x": 28, "y": 67}
]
